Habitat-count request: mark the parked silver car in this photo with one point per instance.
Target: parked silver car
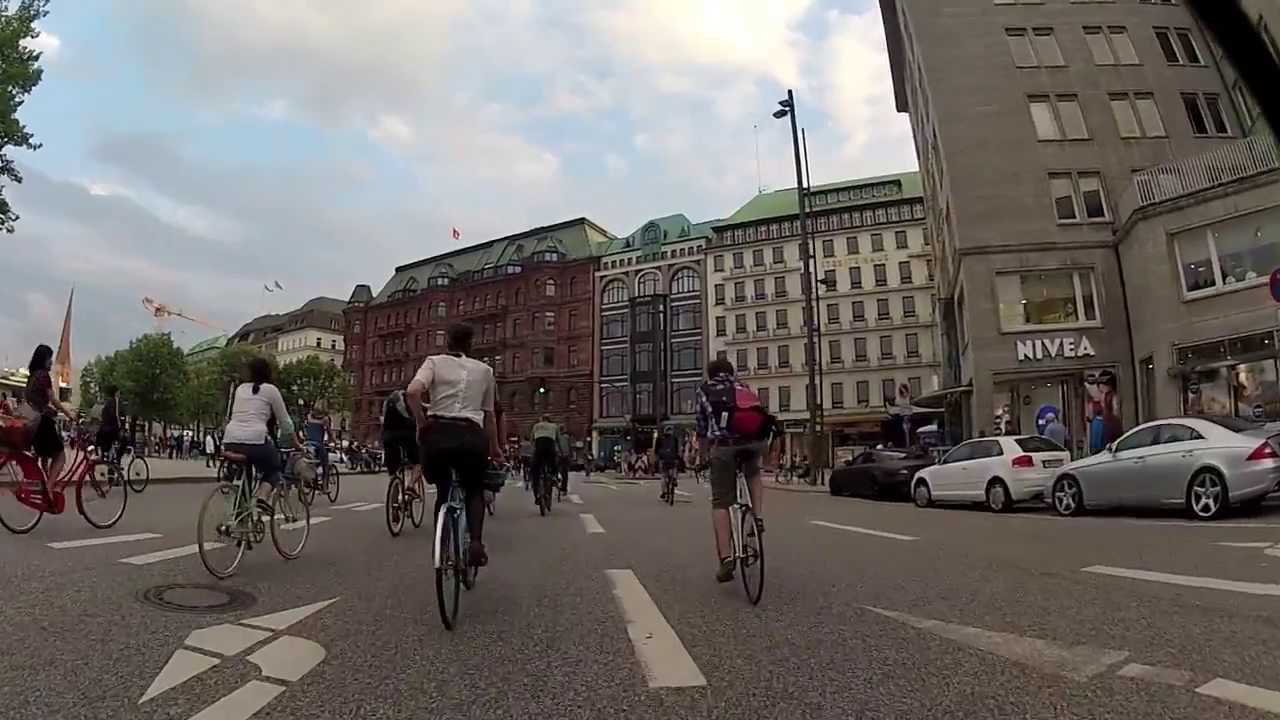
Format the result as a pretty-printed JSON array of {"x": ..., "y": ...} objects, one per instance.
[{"x": 1202, "y": 463}]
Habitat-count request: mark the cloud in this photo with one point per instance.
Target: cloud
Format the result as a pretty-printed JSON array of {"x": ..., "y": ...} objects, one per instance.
[
  {"x": 391, "y": 129},
  {"x": 46, "y": 43}
]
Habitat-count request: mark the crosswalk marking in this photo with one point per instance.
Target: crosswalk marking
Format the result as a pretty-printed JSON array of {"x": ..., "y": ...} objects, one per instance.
[
  {"x": 169, "y": 554},
  {"x": 65, "y": 544},
  {"x": 1254, "y": 697},
  {"x": 299, "y": 523}
]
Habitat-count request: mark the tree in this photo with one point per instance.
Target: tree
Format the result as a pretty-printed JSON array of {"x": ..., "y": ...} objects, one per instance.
[
  {"x": 203, "y": 397},
  {"x": 95, "y": 377},
  {"x": 312, "y": 380},
  {"x": 20, "y": 73},
  {"x": 151, "y": 373}
]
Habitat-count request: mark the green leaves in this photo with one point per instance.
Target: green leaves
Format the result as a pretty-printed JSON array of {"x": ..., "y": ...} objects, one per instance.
[
  {"x": 311, "y": 381},
  {"x": 20, "y": 73}
]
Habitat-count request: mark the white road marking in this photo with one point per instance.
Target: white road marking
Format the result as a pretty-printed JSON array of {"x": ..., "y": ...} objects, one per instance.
[
  {"x": 590, "y": 524},
  {"x": 226, "y": 639},
  {"x": 686, "y": 494},
  {"x": 605, "y": 484},
  {"x": 1166, "y": 676},
  {"x": 1251, "y": 588},
  {"x": 662, "y": 656},
  {"x": 285, "y": 618},
  {"x": 347, "y": 506},
  {"x": 169, "y": 554},
  {"x": 1205, "y": 525},
  {"x": 182, "y": 666},
  {"x": 1246, "y": 544},
  {"x": 288, "y": 658},
  {"x": 1254, "y": 697},
  {"x": 241, "y": 704},
  {"x": 299, "y": 523},
  {"x": 864, "y": 531},
  {"x": 575, "y": 499},
  {"x": 102, "y": 540},
  {"x": 1080, "y": 662},
  {"x": 367, "y": 506}
]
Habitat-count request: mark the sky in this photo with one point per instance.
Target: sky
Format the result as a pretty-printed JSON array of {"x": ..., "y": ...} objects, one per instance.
[{"x": 195, "y": 150}]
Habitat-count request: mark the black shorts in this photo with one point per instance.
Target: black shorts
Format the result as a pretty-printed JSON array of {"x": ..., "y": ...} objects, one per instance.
[
  {"x": 47, "y": 441},
  {"x": 454, "y": 447},
  {"x": 400, "y": 449}
]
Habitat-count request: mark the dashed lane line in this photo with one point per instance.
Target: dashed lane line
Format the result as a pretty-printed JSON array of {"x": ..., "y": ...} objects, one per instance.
[
  {"x": 1150, "y": 673},
  {"x": 1250, "y": 588},
  {"x": 864, "y": 531},
  {"x": 347, "y": 506},
  {"x": 169, "y": 554},
  {"x": 89, "y": 542},
  {"x": 575, "y": 499},
  {"x": 1231, "y": 691},
  {"x": 662, "y": 656},
  {"x": 590, "y": 524},
  {"x": 366, "y": 507}
]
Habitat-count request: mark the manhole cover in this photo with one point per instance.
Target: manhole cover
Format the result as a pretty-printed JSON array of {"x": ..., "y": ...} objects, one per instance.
[{"x": 199, "y": 599}]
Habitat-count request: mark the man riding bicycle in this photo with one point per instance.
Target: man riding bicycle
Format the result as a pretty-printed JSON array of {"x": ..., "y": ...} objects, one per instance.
[
  {"x": 109, "y": 427},
  {"x": 546, "y": 444},
  {"x": 733, "y": 430},
  {"x": 400, "y": 439},
  {"x": 668, "y": 451},
  {"x": 564, "y": 449}
]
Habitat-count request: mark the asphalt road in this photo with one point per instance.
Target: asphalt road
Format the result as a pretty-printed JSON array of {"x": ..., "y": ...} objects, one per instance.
[{"x": 871, "y": 610}]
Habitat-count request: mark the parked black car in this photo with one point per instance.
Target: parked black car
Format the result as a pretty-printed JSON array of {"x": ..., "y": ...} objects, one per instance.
[{"x": 879, "y": 474}]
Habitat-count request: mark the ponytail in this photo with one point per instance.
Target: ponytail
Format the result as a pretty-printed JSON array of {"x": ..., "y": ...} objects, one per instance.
[{"x": 256, "y": 386}]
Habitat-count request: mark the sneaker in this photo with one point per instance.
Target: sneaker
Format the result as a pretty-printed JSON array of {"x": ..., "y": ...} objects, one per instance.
[
  {"x": 476, "y": 556},
  {"x": 725, "y": 573}
]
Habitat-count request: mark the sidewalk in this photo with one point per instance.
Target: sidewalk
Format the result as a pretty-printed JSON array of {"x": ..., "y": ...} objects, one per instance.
[
  {"x": 769, "y": 483},
  {"x": 164, "y": 470}
]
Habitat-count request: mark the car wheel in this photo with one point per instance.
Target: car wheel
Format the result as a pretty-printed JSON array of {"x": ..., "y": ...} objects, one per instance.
[
  {"x": 921, "y": 495},
  {"x": 1206, "y": 495},
  {"x": 998, "y": 498},
  {"x": 1068, "y": 497}
]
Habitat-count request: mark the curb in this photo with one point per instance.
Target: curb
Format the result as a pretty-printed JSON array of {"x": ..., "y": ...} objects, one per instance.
[{"x": 812, "y": 490}]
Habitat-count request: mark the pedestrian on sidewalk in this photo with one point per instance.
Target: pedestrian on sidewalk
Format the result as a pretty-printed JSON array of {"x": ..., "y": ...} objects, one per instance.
[{"x": 210, "y": 449}]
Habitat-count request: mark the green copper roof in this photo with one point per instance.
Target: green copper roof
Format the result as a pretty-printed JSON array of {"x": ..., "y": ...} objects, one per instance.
[
  {"x": 782, "y": 203},
  {"x": 672, "y": 228},
  {"x": 212, "y": 343}
]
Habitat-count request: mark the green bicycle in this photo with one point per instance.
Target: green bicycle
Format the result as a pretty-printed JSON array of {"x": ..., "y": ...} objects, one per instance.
[{"x": 231, "y": 522}]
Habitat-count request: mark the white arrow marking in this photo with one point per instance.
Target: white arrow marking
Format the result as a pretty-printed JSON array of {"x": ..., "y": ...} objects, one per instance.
[
  {"x": 102, "y": 540},
  {"x": 169, "y": 554},
  {"x": 288, "y": 658},
  {"x": 285, "y": 618},
  {"x": 241, "y": 704},
  {"x": 1254, "y": 697},
  {"x": 302, "y": 523},
  {"x": 1168, "y": 676},
  {"x": 590, "y": 523},
  {"x": 182, "y": 666},
  {"x": 1078, "y": 663},
  {"x": 575, "y": 499},
  {"x": 226, "y": 639}
]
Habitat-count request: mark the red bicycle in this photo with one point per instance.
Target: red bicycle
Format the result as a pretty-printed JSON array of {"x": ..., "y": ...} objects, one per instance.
[{"x": 26, "y": 495}]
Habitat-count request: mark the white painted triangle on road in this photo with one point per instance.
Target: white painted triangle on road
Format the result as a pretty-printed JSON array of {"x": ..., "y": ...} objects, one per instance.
[
  {"x": 226, "y": 639},
  {"x": 285, "y": 618},
  {"x": 288, "y": 658},
  {"x": 1079, "y": 662},
  {"x": 182, "y": 666},
  {"x": 243, "y": 703}
]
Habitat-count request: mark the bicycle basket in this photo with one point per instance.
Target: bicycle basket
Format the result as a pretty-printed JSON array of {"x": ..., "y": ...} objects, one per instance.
[{"x": 15, "y": 433}]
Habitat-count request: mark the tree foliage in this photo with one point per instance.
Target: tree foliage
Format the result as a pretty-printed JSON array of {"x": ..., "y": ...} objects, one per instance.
[
  {"x": 312, "y": 381},
  {"x": 151, "y": 374},
  {"x": 20, "y": 73}
]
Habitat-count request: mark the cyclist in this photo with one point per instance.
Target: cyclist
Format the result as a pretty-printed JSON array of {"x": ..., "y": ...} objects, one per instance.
[
  {"x": 316, "y": 429},
  {"x": 457, "y": 430},
  {"x": 400, "y": 439},
  {"x": 42, "y": 400},
  {"x": 564, "y": 445},
  {"x": 526, "y": 460},
  {"x": 256, "y": 405},
  {"x": 668, "y": 452},
  {"x": 109, "y": 426},
  {"x": 732, "y": 428},
  {"x": 546, "y": 436}
]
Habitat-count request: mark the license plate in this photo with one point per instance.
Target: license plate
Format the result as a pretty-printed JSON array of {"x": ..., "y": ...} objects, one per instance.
[{"x": 1052, "y": 463}]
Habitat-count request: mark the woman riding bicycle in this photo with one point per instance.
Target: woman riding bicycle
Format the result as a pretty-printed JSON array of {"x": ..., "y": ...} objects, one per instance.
[
  {"x": 255, "y": 404},
  {"x": 43, "y": 399}
]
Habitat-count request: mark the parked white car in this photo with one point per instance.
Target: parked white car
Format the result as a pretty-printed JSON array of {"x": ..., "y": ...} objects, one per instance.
[{"x": 999, "y": 471}]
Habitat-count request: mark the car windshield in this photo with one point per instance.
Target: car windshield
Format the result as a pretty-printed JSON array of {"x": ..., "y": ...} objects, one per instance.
[{"x": 1038, "y": 444}]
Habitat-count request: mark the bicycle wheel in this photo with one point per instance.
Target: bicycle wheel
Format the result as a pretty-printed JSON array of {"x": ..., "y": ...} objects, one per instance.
[
  {"x": 751, "y": 562},
  {"x": 139, "y": 473},
  {"x": 290, "y": 524},
  {"x": 17, "y": 518},
  {"x": 544, "y": 496},
  {"x": 395, "y": 506},
  {"x": 102, "y": 496},
  {"x": 671, "y": 491},
  {"x": 220, "y": 541},
  {"x": 333, "y": 482},
  {"x": 418, "y": 505},
  {"x": 307, "y": 491},
  {"x": 448, "y": 571}
]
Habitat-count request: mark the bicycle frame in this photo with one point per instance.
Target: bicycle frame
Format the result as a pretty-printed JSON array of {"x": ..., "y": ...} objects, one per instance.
[
  {"x": 743, "y": 502},
  {"x": 49, "y": 497},
  {"x": 455, "y": 504}
]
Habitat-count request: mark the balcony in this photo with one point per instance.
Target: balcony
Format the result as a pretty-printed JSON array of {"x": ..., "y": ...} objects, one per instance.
[{"x": 1223, "y": 166}]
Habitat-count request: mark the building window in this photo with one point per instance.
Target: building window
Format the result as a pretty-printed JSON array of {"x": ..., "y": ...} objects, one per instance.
[
  {"x": 829, "y": 280},
  {"x": 573, "y": 356},
  {"x": 486, "y": 333},
  {"x": 1248, "y": 109},
  {"x": 833, "y": 312},
  {"x": 837, "y": 395},
  {"x": 886, "y": 347},
  {"x": 757, "y": 257},
  {"x": 614, "y": 326},
  {"x": 779, "y": 255},
  {"x": 882, "y": 276},
  {"x": 900, "y": 240},
  {"x": 859, "y": 311},
  {"x": 740, "y": 324},
  {"x": 685, "y": 280},
  {"x": 549, "y": 288},
  {"x": 835, "y": 352},
  {"x": 855, "y": 277},
  {"x": 780, "y": 318},
  {"x": 1178, "y": 46},
  {"x": 549, "y": 321},
  {"x": 515, "y": 362},
  {"x": 928, "y": 268},
  {"x": 1078, "y": 196},
  {"x": 908, "y": 306},
  {"x": 887, "y": 391},
  {"x": 762, "y": 357},
  {"x": 649, "y": 283},
  {"x": 439, "y": 311},
  {"x": 740, "y": 291},
  {"x": 1046, "y": 299},
  {"x": 1205, "y": 114},
  {"x": 1058, "y": 117},
  {"x": 862, "y": 391},
  {"x": 721, "y": 329},
  {"x": 573, "y": 319},
  {"x": 860, "y": 349},
  {"x": 644, "y": 357},
  {"x": 719, "y": 294},
  {"x": 913, "y": 345},
  {"x": 1137, "y": 115},
  {"x": 645, "y": 320},
  {"x": 784, "y": 356},
  {"x": 738, "y": 263},
  {"x": 763, "y": 394},
  {"x": 573, "y": 288},
  {"x": 439, "y": 339},
  {"x": 762, "y": 321},
  {"x": 741, "y": 357},
  {"x": 684, "y": 399},
  {"x": 717, "y": 263},
  {"x": 784, "y": 398},
  {"x": 914, "y": 386},
  {"x": 1036, "y": 47},
  {"x": 851, "y": 245},
  {"x": 877, "y": 242},
  {"x": 904, "y": 272},
  {"x": 686, "y": 317},
  {"x": 780, "y": 286},
  {"x": 828, "y": 248},
  {"x": 613, "y": 402},
  {"x": 1110, "y": 46},
  {"x": 613, "y": 362},
  {"x": 461, "y": 306},
  {"x": 615, "y": 291},
  {"x": 686, "y": 356},
  {"x": 1229, "y": 255},
  {"x": 757, "y": 289}
]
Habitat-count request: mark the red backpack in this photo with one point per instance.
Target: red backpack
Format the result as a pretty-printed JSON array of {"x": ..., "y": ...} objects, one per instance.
[{"x": 738, "y": 410}]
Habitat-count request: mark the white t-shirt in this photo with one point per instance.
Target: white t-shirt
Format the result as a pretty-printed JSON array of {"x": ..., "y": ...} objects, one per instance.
[
  {"x": 250, "y": 413},
  {"x": 457, "y": 386}
]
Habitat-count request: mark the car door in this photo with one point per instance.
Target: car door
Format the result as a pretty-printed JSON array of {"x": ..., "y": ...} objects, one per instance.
[
  {"x": 1168, "y": 466},
  {"x": 858, "y": 479},
  {"x": 982, "y": 467},
  {"x": 947, "y": 478},
  {"x": 1113, "y": 480}
]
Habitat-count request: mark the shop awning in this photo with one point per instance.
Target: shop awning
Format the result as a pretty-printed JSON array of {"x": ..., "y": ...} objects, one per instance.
[{"x": 936, "y": 399}]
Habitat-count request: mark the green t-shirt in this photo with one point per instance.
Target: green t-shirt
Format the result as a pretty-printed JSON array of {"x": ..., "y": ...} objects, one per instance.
[{"x": 546, "y": 430}]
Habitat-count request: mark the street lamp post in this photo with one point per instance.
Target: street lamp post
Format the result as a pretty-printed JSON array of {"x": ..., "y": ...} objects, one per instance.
[{"x": 787, "y": 108}]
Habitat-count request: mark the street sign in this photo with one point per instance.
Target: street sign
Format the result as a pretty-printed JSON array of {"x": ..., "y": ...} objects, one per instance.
[{"x": 1275, "y": 285}]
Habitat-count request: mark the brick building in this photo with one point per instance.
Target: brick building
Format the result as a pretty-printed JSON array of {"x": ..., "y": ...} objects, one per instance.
[{"x": 529, "y": 298}]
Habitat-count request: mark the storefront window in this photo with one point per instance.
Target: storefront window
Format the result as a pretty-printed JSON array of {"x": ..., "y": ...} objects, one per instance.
[
  {"x": 1257, "y": 395},
  {"x": 1207, "y": 392},
  {"x": 1041, "y": 299},
  {"x": 1230, "y": 254}
]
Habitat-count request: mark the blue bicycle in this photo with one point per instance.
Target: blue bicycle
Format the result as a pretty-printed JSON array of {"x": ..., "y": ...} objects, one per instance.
[{"x": 453, "y": 542}]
